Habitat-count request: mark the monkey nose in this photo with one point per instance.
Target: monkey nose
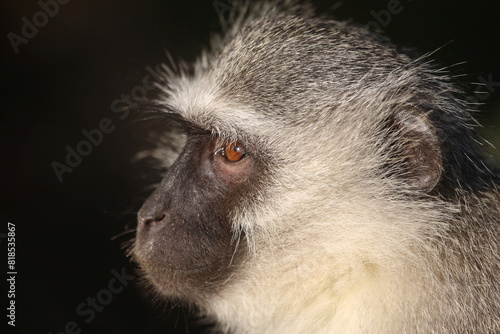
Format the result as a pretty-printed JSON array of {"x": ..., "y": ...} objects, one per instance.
[
  {"x": 151, "y": 222},
  {"x": 148, "y": 219}
]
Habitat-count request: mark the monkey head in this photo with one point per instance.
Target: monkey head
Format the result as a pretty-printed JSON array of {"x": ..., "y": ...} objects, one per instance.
[{"x": 318, "y": 181}]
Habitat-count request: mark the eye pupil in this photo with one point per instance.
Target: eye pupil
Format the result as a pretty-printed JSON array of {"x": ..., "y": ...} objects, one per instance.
[{"x": 233, "y": 152}]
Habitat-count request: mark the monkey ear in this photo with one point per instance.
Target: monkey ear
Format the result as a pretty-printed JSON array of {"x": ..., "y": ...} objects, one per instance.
[{"x": 419, "y": 148}]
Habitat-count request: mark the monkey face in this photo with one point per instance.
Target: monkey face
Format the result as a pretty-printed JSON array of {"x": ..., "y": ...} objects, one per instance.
[{"x": 185, "y": 240}]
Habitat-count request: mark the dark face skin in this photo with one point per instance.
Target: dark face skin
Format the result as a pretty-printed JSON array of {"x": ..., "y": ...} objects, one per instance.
[{"x": 185, "y": 240}]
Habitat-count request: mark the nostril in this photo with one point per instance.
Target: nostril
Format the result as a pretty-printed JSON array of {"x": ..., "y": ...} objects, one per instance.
[{"x": 152, "y": 222}]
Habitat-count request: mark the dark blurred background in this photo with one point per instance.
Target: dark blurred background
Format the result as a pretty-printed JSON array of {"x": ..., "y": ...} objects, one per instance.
[{"x": 64, "y": 78}]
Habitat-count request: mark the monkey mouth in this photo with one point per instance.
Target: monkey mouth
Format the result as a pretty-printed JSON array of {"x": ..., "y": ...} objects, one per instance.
[{"x": 172, "y": 260}]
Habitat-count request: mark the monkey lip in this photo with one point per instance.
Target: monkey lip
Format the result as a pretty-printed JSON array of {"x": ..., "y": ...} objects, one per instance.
[{"x": 194, "y": 270}]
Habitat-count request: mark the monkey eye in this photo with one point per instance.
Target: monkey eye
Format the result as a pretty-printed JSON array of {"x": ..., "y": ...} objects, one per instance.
[{"x": 234, "y": 152}]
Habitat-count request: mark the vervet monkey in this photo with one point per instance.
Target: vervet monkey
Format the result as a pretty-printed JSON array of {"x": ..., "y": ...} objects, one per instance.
[{"x": 329, "y": 183}]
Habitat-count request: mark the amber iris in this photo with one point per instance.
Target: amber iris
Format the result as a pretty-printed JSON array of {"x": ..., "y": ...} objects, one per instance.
[{"x": 234, "y": 152}]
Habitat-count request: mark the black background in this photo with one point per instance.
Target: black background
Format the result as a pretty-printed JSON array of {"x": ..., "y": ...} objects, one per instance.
[{"x": 64, "y": 81}]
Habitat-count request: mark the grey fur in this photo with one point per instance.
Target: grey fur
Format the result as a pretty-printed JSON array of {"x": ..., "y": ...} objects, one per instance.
[{"x": 376, "y": 210}]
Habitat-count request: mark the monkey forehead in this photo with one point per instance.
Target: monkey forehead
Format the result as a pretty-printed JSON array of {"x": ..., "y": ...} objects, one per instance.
[{"x": 199, "y": 101}]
